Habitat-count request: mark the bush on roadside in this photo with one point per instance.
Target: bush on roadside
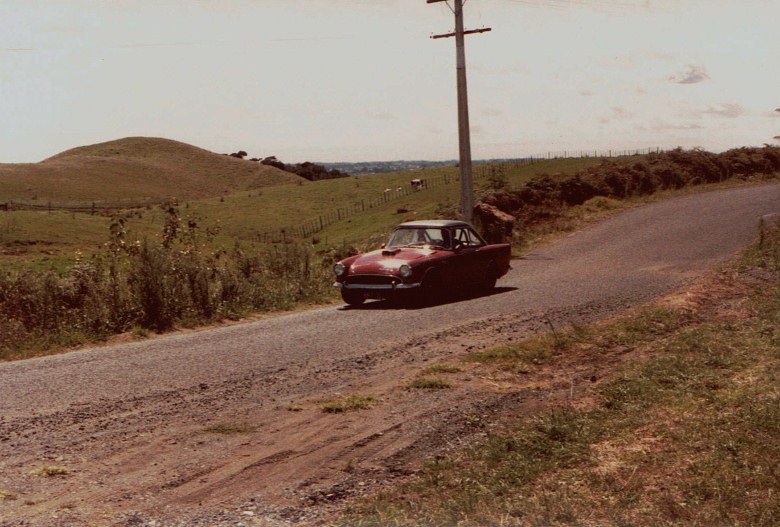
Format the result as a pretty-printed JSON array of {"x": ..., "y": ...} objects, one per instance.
[
  {"x": 545, "y": 198},
  {"x": 152, "y": 285}
]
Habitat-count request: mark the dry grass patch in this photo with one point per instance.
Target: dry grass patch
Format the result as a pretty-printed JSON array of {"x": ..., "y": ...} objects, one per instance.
[
  {"x": 231, "y": 428},
  {"x": 7, "y": 495},
  {"x": 51, "y": 471},
  {"x": 442, "y": 368},
  {"x": 349, "y": 403},
  {"x": 429, "y": 383}
]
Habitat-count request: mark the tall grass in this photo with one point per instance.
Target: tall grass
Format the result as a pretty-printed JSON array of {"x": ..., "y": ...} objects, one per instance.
[{"x": 155, "y": 284}]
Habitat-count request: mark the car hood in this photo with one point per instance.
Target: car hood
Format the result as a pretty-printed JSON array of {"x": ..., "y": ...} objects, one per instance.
[{"x": 387, "y": 261}]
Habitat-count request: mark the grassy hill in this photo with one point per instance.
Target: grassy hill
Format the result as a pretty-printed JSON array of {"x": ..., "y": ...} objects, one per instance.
[
  {"x": 42, "y": 239},
  {"x": 134, "y": 168}
]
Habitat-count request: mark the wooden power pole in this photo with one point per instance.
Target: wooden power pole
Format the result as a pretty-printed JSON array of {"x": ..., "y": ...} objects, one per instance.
[{"x": 464, "y": 134}]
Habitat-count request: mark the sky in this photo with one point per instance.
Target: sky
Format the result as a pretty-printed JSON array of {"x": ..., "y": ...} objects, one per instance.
[{"x": 361, "y": 80}]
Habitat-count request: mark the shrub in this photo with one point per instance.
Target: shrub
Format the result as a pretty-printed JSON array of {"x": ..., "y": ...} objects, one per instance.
[
  {"x": 154, "y": 284},
  {"x": 545, "y": 198}
]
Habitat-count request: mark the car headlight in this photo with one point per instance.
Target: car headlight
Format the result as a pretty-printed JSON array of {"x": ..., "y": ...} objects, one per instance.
[
  {"x": 339, "y": 269},
  {"x": 405, "y": 271}
]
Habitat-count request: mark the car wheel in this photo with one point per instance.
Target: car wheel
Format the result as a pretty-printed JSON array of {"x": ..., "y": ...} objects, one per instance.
[
  {"x": 430, "y": 291},
  {"x": 489, "y": 281},
  {"x": 353, "y": 298}
]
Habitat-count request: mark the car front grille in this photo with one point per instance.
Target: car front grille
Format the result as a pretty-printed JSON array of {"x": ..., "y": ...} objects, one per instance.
[{"x": 372, "y": 279}]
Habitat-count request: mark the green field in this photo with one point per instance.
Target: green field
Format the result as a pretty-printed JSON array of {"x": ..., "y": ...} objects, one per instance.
[{"x": 50, "y": 239}]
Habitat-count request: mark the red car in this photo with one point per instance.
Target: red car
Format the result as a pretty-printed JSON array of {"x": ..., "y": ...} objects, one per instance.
[{"x": 422, "y": 260}]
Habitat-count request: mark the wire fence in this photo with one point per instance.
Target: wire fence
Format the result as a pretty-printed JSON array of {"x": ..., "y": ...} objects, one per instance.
[
  {"x": 317, "y": 224},
  {"x": 482, "y": 170},
  {"x": 85, "y": 207}
]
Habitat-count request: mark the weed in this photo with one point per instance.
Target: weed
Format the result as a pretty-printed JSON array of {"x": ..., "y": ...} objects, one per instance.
[
  {"x": 524, "y": 354},
  {"x": 51, "y": 471},
  {"x": 140, "y": 333},
  {"x": 474, "y": 421},
  {"x": 231, "y": 428},
  {"x": 442, "y": 368},
  {"x": 601, "y": 203},
  {"x": 7, "y": 495},
  {"x": 646, "y": 325},
  {"x": 349, "y": 403},
  {"x": 429, "y": 383}
]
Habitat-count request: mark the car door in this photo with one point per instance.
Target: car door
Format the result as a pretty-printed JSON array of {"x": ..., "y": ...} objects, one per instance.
[{"x": 467, "y": 256}]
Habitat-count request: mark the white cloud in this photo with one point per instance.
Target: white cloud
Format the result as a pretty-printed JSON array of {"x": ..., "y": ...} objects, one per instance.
[
  {"x": 729, "y": 110},
  {"x": 690, "y": 74},
  {"x": 616, "y": 113},
  {"x": 662, "y": 125}
]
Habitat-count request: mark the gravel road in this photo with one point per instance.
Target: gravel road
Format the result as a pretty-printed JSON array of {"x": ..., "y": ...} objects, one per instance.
[{"x": 127, "y": 420}]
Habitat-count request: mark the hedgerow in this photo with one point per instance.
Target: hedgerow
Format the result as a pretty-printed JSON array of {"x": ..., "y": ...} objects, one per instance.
[{"x": 546, "y": 197}]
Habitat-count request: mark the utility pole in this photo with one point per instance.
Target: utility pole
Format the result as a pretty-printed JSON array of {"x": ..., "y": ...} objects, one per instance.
[{"x": 464, "y": 134}]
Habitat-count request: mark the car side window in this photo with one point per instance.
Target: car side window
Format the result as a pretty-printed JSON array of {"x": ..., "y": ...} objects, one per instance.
[
  {"x": 465, "y": 237},
  {"x": 474, "y": 239},
  {"x": 434, "y": 237}
]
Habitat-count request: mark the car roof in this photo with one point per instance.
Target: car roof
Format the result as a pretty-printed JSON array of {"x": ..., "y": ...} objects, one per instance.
[{"x": 433, "y": 223}]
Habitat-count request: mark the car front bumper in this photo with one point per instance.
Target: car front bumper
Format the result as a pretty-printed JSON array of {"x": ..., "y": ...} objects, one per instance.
[{"x": 376, "y": 287}]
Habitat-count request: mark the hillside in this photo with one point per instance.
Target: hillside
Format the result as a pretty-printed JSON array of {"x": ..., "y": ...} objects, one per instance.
[{"x": 134, "y": 168}]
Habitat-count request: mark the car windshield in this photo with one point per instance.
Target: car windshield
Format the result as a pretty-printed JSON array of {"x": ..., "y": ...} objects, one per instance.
[{"x": 419, "y": 237}]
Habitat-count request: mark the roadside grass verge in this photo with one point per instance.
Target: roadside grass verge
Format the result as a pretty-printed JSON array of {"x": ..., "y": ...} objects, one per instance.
[{"x": 688, "y": 435}]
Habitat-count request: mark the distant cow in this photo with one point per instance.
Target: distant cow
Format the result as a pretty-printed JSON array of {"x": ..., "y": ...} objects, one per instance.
[{"x": 418, "y": 184}]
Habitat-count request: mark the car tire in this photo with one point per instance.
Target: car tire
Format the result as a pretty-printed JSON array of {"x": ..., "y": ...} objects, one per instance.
[
  {"x": 431, "y": 289},
  {"x": 490, "y": 279},
  {"x": 353, "y": 298}
]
